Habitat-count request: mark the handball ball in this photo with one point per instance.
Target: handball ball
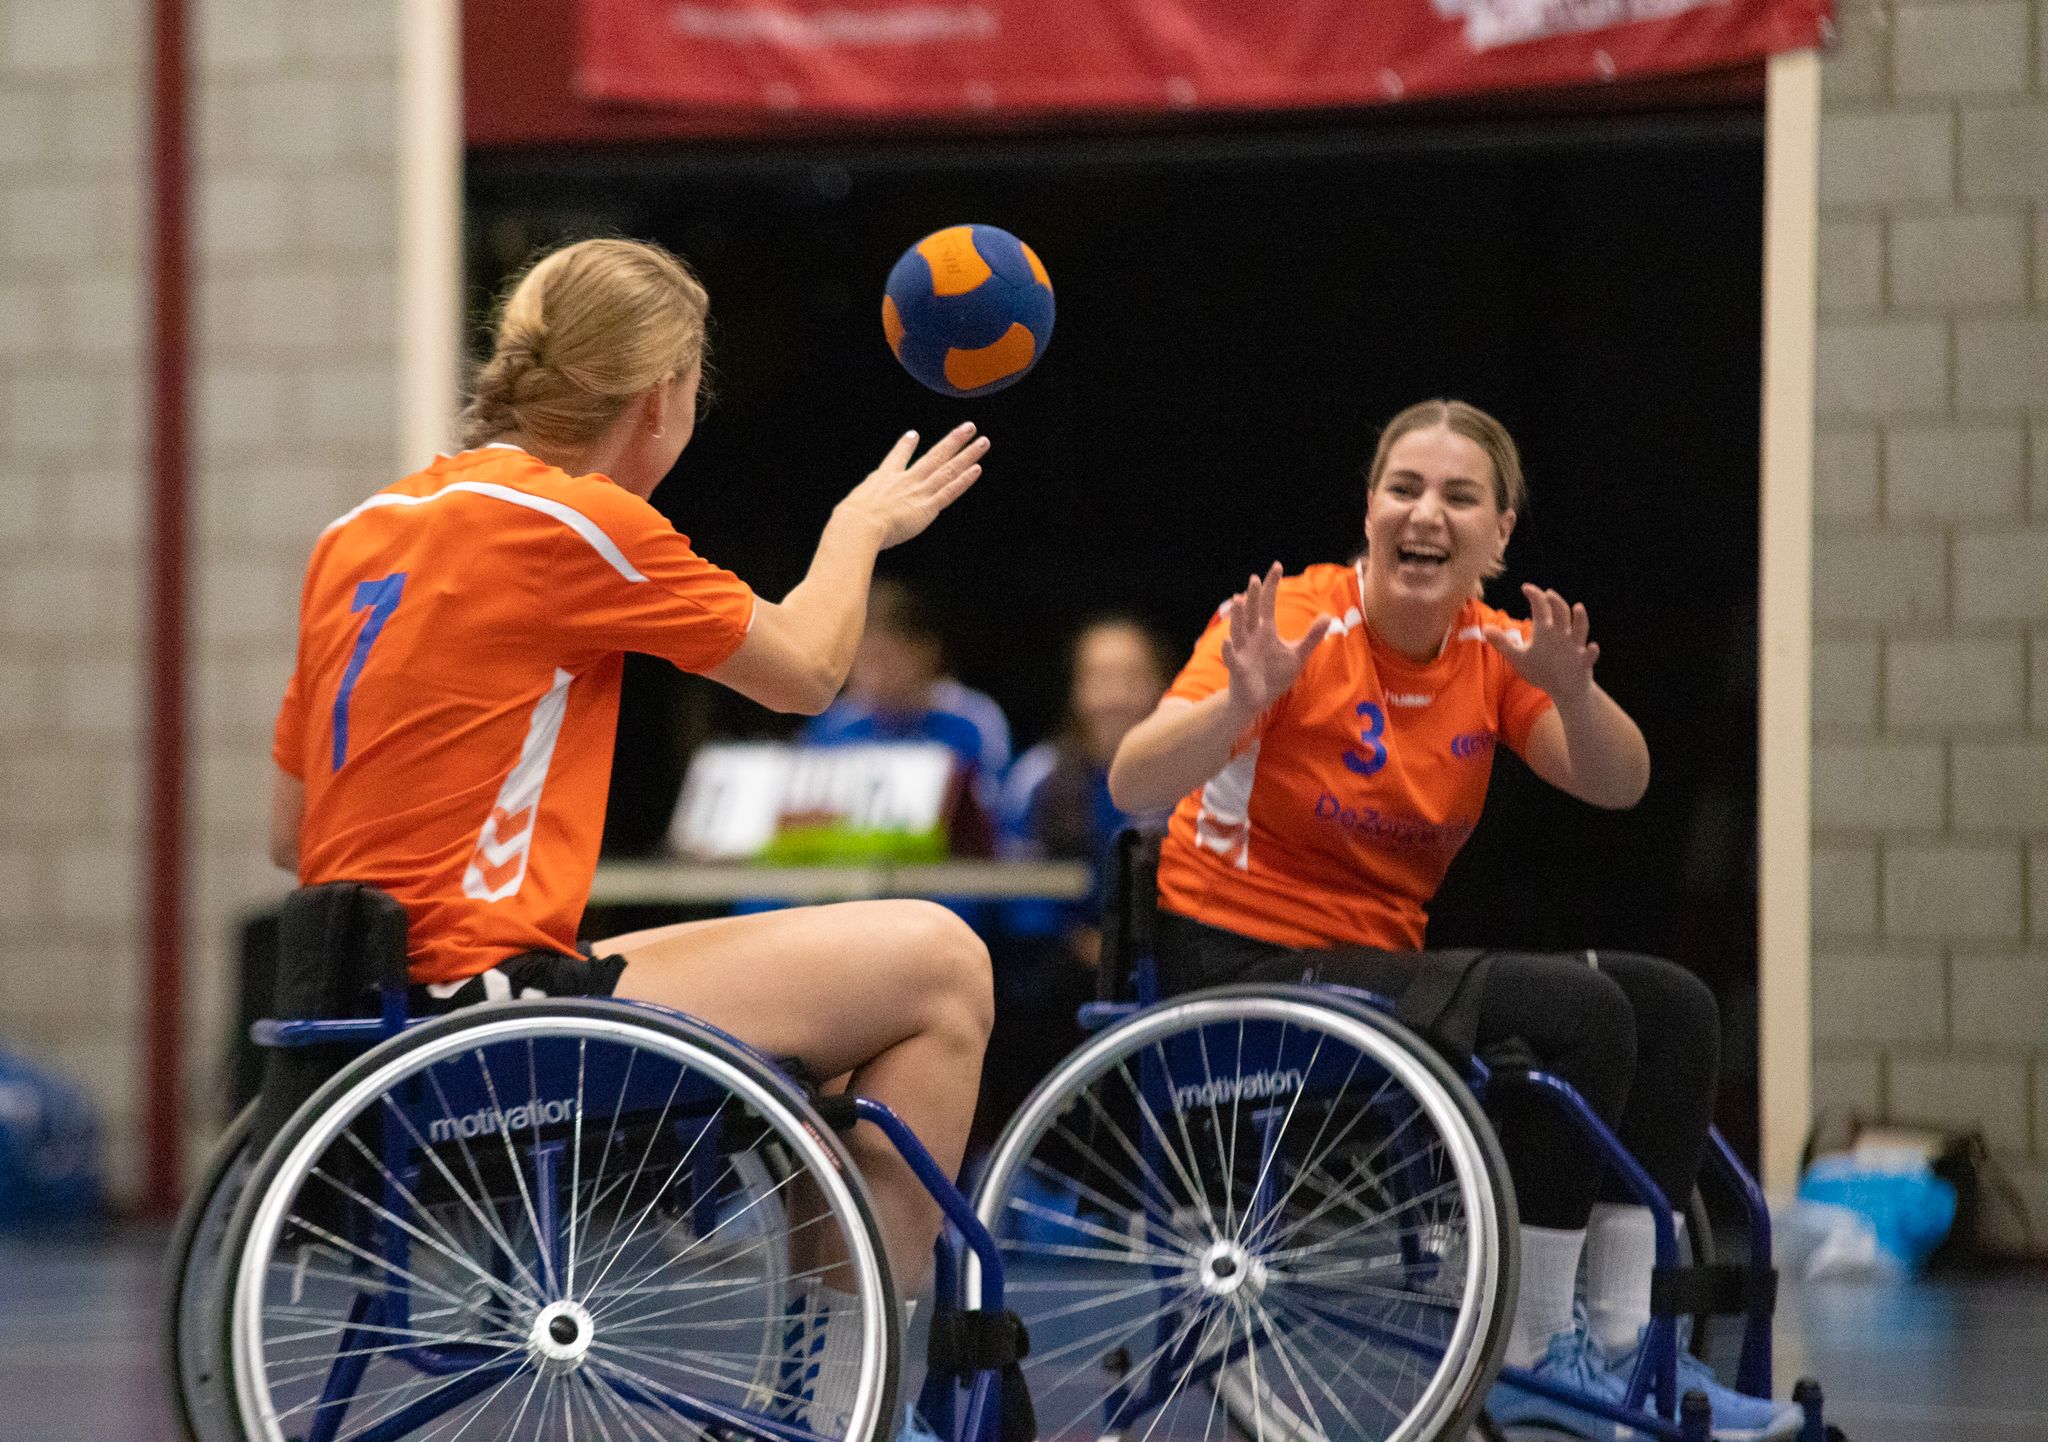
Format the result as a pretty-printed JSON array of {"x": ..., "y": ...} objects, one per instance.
[{"x": 968, "y": 310}]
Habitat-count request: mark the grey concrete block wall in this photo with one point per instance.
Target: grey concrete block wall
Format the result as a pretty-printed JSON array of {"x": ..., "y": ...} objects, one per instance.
[
  {"x": 297, "y": 333},
  {"x": 71, "y": 436},
  {"x": 295, "y": 339},
  {"x": 1930, "y": 779}
]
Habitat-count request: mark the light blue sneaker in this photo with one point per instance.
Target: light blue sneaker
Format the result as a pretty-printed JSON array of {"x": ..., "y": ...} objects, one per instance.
[
  {"x": 1738, "y": 1417},
  {"x": 1572, "y": 1360},
  {"x": 914, "y": 1429}
]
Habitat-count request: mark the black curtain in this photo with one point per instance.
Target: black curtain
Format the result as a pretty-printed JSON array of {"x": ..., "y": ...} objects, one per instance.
[{"x": 1239, "y": 311}]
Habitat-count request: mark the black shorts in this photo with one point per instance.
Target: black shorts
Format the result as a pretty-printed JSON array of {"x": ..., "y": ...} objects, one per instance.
[{"x": 529, "y": 974}]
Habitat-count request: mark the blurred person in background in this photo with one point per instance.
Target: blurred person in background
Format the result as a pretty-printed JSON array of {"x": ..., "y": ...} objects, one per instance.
[
  {"x": 1056, "y": 803},
  {"x": 898, "y": 690}
]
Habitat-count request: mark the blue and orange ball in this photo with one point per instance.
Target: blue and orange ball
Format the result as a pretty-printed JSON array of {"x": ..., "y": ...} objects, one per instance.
[{"x": 968, "y": 310}]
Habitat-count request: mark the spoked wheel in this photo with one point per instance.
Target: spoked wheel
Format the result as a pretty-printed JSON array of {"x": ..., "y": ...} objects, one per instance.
[
  {"x": 1268, "y": 1209},
  {"x": 557, "y": 1220},
  {"x": 193, "y": 1290}
]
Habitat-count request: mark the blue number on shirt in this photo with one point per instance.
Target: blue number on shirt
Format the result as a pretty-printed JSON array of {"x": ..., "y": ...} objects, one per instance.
[
  {"x": 382, "y": 599},
  {"x": 1375, "y": 750}
]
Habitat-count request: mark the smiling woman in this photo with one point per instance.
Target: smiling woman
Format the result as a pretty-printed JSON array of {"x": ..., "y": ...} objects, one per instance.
[{"x": 1328, "y": 750}]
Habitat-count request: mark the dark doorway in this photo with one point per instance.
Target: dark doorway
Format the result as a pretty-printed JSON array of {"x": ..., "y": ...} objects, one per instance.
[{"x": 1238, "y": 312}]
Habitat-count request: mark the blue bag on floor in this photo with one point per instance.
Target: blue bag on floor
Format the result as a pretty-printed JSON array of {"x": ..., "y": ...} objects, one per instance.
[
  {"x": 1907, "y": 1208},
  {"x": 49, "y": 1148}
]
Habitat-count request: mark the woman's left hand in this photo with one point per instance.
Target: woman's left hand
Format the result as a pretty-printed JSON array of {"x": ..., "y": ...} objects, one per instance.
[{"x": 1557, "y": 656}]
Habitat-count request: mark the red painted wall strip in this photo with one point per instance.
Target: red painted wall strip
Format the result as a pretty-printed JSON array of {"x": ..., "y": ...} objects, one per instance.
[{"x": 163, "y": 898}]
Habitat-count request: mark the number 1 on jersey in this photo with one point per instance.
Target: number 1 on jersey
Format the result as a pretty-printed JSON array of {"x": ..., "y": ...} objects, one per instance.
[{"x": 382, "y": 599}]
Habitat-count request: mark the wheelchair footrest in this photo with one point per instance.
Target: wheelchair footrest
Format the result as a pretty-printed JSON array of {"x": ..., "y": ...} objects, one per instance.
[{"x": 1725, "y": 1290}]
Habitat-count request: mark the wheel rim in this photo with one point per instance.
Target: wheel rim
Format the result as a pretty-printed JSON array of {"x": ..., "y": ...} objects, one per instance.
[
  {"x": 393, "y": 1254},
  {"x": 1252, "y": 1208}
]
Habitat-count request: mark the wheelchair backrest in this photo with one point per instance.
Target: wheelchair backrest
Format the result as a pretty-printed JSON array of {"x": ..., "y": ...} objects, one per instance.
[
  {"x": 340, "y": 946},
  {"x": 1130, "y": 911}
]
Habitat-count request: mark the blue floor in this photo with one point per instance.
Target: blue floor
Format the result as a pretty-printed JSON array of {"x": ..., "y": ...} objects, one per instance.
[{"x": 1963, "y": 1360}]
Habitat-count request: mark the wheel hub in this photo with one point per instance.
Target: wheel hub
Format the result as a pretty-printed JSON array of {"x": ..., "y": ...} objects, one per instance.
[
  {"x": 1227, "y": 1267},
  {"x": 560, "y": 1338}
]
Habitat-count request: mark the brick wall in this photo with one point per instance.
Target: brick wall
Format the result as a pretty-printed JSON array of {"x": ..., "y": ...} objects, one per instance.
[
  {"x": 297, "y": 334},
  {"x": 71, "y": 505},
  {"x": 1930, "y": 676},
  {"x": 295, "y": 185}
]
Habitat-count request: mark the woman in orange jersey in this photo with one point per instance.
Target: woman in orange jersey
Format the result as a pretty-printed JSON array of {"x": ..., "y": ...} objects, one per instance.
[
  {"x": 1328, "y": 747},
  {"x": 447, "y": 731}
]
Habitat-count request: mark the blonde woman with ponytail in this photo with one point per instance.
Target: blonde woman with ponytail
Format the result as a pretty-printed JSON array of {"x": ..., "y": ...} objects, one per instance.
[{"x": 447, "y": 731}]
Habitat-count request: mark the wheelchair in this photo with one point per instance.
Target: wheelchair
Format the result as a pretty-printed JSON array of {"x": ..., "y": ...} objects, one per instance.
[
  {"x": 1277, "y": 1210},
  {"x": 542, "y": 1219}
]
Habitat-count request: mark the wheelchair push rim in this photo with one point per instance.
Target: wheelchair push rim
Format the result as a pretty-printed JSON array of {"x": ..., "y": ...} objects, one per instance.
[
  {"x": 540, "y": 1220},
  {"x": 1261, "y": 1208}
]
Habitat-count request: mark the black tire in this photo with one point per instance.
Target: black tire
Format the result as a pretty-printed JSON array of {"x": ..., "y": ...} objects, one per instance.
[
  {"x": 506, "y": 1315},
  {"x": 190, "y": 1334}
]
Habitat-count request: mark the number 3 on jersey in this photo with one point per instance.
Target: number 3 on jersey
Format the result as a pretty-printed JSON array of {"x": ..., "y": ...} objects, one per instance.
[
  {"x": 381, "y": 597},
  {"x": 1375, "y": 749}
]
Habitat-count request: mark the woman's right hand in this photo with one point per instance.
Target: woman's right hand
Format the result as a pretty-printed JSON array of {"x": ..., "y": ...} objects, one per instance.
[
  {"x": 1262, "y": 665},
  {"x": 901, "y": 496}
]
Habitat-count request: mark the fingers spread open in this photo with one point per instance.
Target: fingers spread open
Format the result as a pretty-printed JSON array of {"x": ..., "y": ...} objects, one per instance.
[
  {"x": 945, "y": 448},
  {"x": 953, "y": 488},
  {"x": 1504, "y": 639},
  {"x": 1313, "y": 637}
]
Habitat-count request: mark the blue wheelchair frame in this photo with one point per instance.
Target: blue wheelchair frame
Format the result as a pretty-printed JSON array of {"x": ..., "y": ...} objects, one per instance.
[
  {"x": 964, "y": 1413},
  {"x": 1652, "y": 1404}
]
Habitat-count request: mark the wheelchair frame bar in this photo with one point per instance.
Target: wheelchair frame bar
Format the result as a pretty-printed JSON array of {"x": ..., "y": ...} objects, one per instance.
[
  {"x": 1753, "y": 1371},
  {"x": 1657, "y": 1363},
  {"x": 979, "y": 1420},
  {"x": 288, "y": 1035}
]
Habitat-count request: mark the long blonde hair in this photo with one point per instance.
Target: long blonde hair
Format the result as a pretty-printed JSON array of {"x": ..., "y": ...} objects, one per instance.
[
  {"x": 579, "y": 334},
  {"x": 1510, "y": 487}
]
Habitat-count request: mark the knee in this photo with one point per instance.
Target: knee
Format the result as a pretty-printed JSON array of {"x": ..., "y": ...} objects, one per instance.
[
  {"x": 1607, "y": 1037},
  {"x": 1676, "y": 1012},
  {"x": 951, "y": 966}
]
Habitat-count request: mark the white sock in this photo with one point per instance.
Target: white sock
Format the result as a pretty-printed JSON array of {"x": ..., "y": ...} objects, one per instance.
[
  {"x": 1543, "y": 1306},
  {"x": 822, "y": 1365},
  {"x": 1621, "y": 1252}
]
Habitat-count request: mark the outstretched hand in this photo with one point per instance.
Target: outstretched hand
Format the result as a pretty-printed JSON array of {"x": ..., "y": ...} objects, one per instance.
[
  {"x": 903, "y": 496},
  {"x": 1262, "y": 665},
  {"x": 1556, "y": 656}
]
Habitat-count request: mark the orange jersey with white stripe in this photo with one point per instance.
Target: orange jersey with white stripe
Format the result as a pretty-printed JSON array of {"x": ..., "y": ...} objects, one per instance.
[
  {"x": 1334, "y": 821},
  {"x": 452, "y": 709}
]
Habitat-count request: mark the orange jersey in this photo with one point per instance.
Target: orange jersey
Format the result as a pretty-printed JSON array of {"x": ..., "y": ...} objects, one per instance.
[
  {"x": 452, "y": 709},
  {"x": 1336, "y": 818}
]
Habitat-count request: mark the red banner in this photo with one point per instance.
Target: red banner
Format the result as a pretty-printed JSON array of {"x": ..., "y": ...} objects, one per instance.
[{"x": 939, "y": 57}]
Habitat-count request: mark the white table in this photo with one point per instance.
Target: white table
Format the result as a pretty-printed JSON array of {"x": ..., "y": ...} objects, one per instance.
[{"x": 636, "y": 883}]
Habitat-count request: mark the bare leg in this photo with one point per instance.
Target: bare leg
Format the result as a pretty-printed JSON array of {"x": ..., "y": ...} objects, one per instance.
[{"x": 895, "y": 993}]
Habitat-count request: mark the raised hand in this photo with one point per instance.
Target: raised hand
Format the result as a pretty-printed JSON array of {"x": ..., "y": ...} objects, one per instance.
[
  {"x": 1556, "y": 656},
  {"x": 903, "y": 496},
  {"x": 1262, "y": 665}
]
